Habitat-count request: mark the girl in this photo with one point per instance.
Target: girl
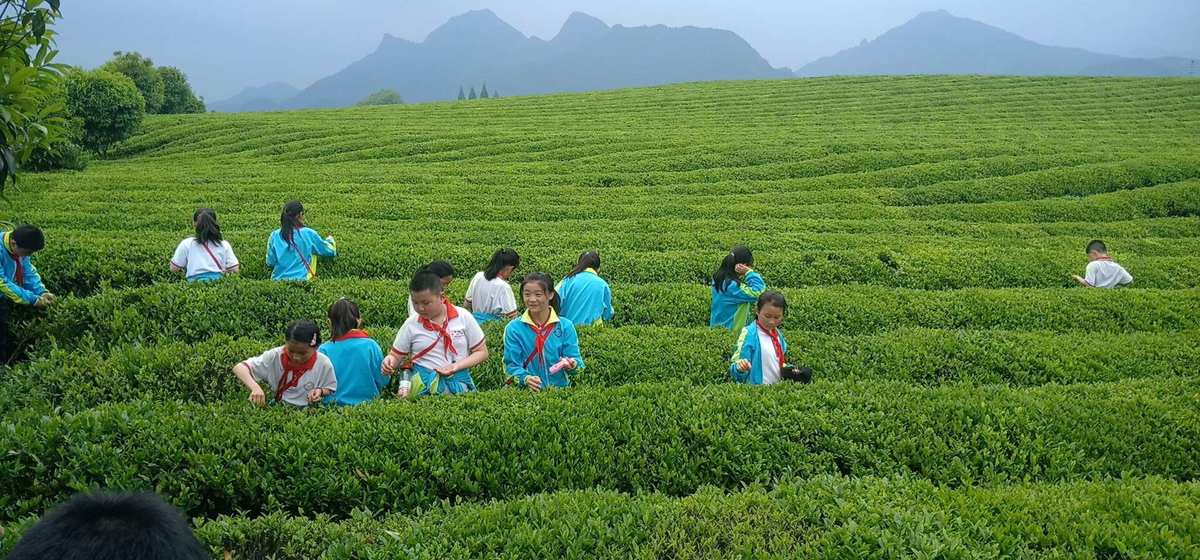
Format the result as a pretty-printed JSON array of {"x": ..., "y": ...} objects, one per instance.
[
  {"x": 489, "y": 296},
  {"x": 292, "y": 250},
  {"x": 735, "y": 288},
  {"x": 759, "y": 355},
  {"x": 542, "y": 348},
  {"x": 296, "y": 372},
  {"x": 207, "y": 256},
  {"x": 444, "y": 271},
  {"x": 440, "y": 344},
  {"x": 356, "y": 358},
  {"x": 586, "y": 297}
]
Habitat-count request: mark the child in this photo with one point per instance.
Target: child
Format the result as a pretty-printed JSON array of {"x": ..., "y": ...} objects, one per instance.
[
  {"x": 735, "y": 288},
  {"x": 440, "y": 344},
  {"x": 586, "y": 297},
  {"x": 356, "y": 358},
  {"x": 759, "y": 355},
  {"x": 292, "y": 250},
  {"x": 22, "y": 285},
  {"x": 207, "y": 256},
  {"x": 296, "y": 372},
  {"x": 1102, "y": 271},
  {"x": 443, "y": 270},
  {"x": 541, "y": 348},
  {"x": 489, "y": 296}
]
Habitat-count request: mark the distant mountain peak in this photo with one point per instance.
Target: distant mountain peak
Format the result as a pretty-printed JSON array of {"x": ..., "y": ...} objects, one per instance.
[
  {"x": 580, "y": 29},
  {"x": 474, "y": 25}
]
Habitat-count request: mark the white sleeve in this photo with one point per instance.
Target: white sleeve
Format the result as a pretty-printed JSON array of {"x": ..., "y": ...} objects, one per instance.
[
  {"x": 1089, "y": 274},
  {"x": 262, "y": 365},
  {"x": 1126, "y": 277},
  {"x": 473, "y": 331},
  {"x": 509, "y": 304},
  {"x": 231, "y": 260},
  {"x": 403, "y": 341},
  {"x": 180, "y": 259},
  {"x": 470, "y": 296},
  {"x": 328, "y": 378}
]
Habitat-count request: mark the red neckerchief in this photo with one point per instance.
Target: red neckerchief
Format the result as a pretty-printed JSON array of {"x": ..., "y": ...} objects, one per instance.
[
  {"x": 19, "y": 274},
  {"x": 442, "y": 333},
  {"x": 539, "y": 342},
  {"x": 774, "y": 334},
  {"x": 352, "y": 333},
  {"x": 292, "y": 373}
]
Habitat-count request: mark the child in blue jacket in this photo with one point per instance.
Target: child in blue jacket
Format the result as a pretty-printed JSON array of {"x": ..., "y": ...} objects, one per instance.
[
  {"x": 735, "y": 288},
  {"x": 585, "y": 297},
  {"x": 292, "y": 250},
  {"x": 541, "y": 349},
  {"x": 357, "y": 359},
  {"x": 760, "y": 354}
]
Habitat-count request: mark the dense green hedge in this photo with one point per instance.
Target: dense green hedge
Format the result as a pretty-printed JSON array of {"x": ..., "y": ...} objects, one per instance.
[
  {"x": 824, "y": 517},
  {"x": 76, "y": 379},
  {"x": 260, "y": 309},
  {"x": 398, "y": 456}
]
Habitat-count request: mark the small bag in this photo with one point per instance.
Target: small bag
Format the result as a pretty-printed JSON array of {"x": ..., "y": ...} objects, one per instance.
[{"x": 795, "y": 374}]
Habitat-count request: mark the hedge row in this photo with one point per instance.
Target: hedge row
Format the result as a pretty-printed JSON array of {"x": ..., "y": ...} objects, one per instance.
[
  {"x": 77, "y": 379},
  {"x": 399, "y": 456},
  {"x": 824, "y": 517},
  {"x": 260, "y": 309}
]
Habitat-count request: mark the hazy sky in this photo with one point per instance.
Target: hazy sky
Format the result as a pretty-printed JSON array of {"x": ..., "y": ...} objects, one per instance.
[{"x": 225, "y": 45}]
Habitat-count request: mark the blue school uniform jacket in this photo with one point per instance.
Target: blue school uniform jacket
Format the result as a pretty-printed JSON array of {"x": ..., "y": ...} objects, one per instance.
[
  {"x": 585, "y": 298},
  {"x": 357, "y": 364},
  {"x": 748, "y": 348},
  {"x": 519, "y": 341},
  {"x": 286, "y": 262},
  {"x": 30, "y": 288},
  {"x": 733, "y": 303}
]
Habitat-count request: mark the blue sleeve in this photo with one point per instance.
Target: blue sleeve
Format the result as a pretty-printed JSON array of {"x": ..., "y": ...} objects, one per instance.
[
  {"x": 33, "y": 280},
  {"x": 16, "y": 293},
  {"x": 748, "y": 291},
  {"x": 607, "y": 315},
  {"x": 514, "y": 362},
  {"x": 381, "y": 380},
  {"x": 272, "y": 258},
  {"x": 742, "y": 350},
  {"x": 320, "y": 245},
  {"x": 570, "y": 348}
]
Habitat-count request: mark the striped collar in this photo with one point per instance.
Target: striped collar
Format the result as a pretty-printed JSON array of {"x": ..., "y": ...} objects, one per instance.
[{"x": 525, "y": 318}]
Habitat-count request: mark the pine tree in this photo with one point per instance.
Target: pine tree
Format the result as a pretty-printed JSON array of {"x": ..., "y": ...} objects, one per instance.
[
  {"x": 484, "y": 93},
  {"x": 472, "y": 94},
  {"x": 495, "y": 94},
  {"x": 461, "y": 95}
]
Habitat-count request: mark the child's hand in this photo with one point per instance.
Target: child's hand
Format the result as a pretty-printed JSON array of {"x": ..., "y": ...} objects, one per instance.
[
  {"x": 572, "y": 364},
  {"x": 743, "y": 365},
  {"x": 741, "y": 269},
  {"x": 390, "y": 363},
  {"x": 315, "y": 396},
  {"x": 44, "y": 300},
  {"x": 1079, "y": 280},
  {"x": 534, "y": 383},
  {"x": 257, "y": 397},
  {"x": 447, "y": 370}
]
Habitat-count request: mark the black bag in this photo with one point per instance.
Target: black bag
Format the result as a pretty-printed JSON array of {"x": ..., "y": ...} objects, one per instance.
[{"x": 795, "y": 374}]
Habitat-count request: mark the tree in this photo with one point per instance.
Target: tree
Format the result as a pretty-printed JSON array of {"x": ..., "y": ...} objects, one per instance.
[
  {"x": 484, "y": 94},
  {"x": 495, "y": 94},
  {"x": 27, "y": 75},
  {"x": 461, "y": 95},
  {"x": 109, "y": 103},
  {"x": 472, "y": 94},
  {"x": 143, "y": 73},
  {"x": 177, "y": 93},
  {"x": 382, "y": 97}
]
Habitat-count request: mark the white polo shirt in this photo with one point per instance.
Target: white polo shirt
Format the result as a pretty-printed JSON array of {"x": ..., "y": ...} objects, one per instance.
[
  {"x": 493, "y": 296},
  {"x": 1104, "y": 273},
  {"x": 191, "y": 256},
  {"x": 268, "y": 367},
  {"x": 770, "y": 359},
  {"x": 414, "y": 338}
]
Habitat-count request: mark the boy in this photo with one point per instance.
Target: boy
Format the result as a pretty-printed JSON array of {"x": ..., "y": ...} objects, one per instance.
[
  {"x": 21, "y": 283},
  {"x": 1101, "y": 271}
]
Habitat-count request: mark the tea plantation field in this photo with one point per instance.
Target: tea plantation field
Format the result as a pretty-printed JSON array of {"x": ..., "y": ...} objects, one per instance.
[{"x": 970, "y": 401}]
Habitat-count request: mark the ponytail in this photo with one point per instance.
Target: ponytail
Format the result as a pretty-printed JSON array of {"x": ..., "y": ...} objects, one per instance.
[
  {"x": 727, "y": 272},
  {"x": 501, "y": 259},
  {"x": 590, "y": 259},
  {"x": 207, "y": 229},
  {"x": 343, "y": 317},
  {"x": 290, "y": 219}
]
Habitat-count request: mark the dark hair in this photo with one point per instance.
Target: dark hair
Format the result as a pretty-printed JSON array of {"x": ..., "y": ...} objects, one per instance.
[
  {"x": 104, "y": 525},
  {"x": 442, "y": 269},
  {"x": 343, "y": 317},
  {"x": 425, "y": 281},
  {"x": 29, "y": 238},
  {"x": 590, "y": 259},
  {"x": 547, "y": 284},
  {"x": 303, "y": 331},
  {"x": 501, "y": 259},
  {"x": 207, "y": 228},
  {"x": 726, "y": 273},
  {"x": 290, "y": 219},
  {"x": 1093, "y": 245},
  {"x": 772, "y": 297}
]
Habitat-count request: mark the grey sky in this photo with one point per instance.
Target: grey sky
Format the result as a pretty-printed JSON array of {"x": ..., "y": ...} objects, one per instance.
[{"x": 225, "y": 45}]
